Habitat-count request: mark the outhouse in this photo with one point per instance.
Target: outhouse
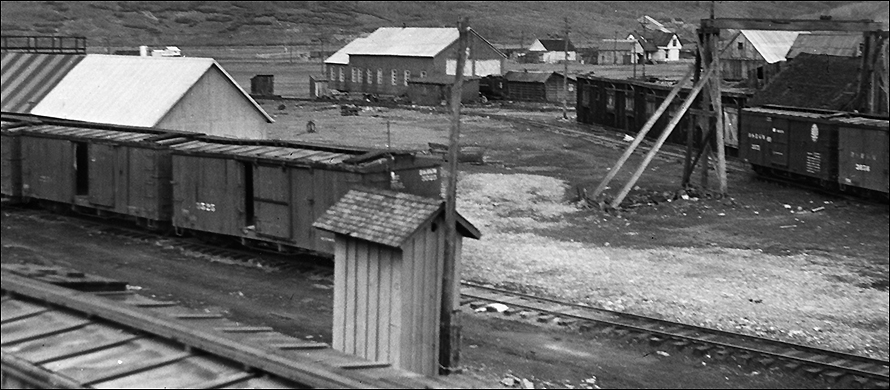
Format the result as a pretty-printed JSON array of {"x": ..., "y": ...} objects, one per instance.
[{"x": 388, "y": 268}]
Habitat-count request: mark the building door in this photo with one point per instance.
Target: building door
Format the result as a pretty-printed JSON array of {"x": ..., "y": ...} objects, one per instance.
[{"x": 271, "y": 206}]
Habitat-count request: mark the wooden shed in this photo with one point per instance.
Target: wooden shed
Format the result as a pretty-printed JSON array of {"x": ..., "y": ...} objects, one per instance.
[
  {"x": 389, "y": 256},
  {"x": 432, "y": 91},
  {"x": 262, "y": 85},
  {"x": 318, "y": 87},
  {"x": 539, "y": 86}
]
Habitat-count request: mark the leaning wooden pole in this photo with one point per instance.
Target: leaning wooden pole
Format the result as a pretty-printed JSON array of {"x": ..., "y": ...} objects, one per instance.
[
  {"x": 449, "y": 323},
  {"x": 642, "y": 134},
  {"x": 717, "y": 101},
  {"x": 663, "y": 137}
]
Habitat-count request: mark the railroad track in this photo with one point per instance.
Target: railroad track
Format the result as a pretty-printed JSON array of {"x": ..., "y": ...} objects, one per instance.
[
  {"x": 836, "y": 367},
  {"x": 839, "y": 368}
]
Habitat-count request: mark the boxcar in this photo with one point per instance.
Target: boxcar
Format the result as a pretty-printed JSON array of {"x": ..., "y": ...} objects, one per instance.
[
  {"x": 271, "y": 192},
  {"x": 863, "y": 152},
  {"x": 123, "y": 171},
  {"x": 798, "y": 143},
  {"x": 10, "y": 159}
]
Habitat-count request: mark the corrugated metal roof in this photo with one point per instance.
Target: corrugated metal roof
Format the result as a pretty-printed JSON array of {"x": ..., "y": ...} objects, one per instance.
[
  {"x": 772, "y": 45},
  {"x": 292, "y": 154},
  {"x": 341, "y": 57},
  {"x": 127, "y": 90},
  {"x": 28, "y": 77},
  {"x": 402, "y": 42},
  {"x": 846, "y": 45}
]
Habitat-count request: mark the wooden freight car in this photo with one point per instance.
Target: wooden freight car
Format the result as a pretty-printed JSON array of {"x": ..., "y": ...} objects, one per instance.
[
  {"x": 10, "y": 159},
  {"x": 271, "y": 192},
  {"x": 797, "y": 143},
  {"x": 626, "y": 104},
  {"x": 863, "y": 154},
  {"x": 125, "y": 171}
]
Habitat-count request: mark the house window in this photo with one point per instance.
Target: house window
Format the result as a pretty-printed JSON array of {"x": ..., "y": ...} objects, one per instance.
[
  {"x": 629, "y": 104},
  {"x": 332, "y": 74},
  {"x": 352, "y": 75},
  {"x": 379, "y": 76},
  {"x": 394, "y": 76},
  {"x": 341, "y": 74},
  {"x": 407, "y": 76},
  {"x": 369, "y": 76},
  {"x": 741, "y": 46},
  {"x": 650, "y": 106},
  {"x": 423, "y": 74},
  {"x": 610, "y": 101}
]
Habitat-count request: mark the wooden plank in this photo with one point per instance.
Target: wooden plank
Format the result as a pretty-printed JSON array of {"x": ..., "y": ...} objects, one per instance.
[
  {"x": 197, "y": 316},
  {"x": 361, "y": 298},
  {"x": 791, "y": 24},
  {"x": 224, "y": 381},
  {"x": 244, "y": 329},
  {"x": 350, "y": 313},
  {"x": 153, "y": 304},
  {"x": 372, "y": 318},
  {"x": 298, "y": 346},
  {"x": 663, "y": 137},
  {"x": 364, "y": 365},
  {"x": 717, "y": 98},
  {"x": 77, "y": 324},
  {"x": 418, "y": 331},
  {"x": 144, "y": 365},
  {"x": 91, "y": 348},
  {"x": 298, "y": 369},
  {"x": 642, "y": 133},
  {"x": 340, "y": 262},
  {"x": 384, "y": 305},
  {"x": 434, "y": 259},
  {"x": 24, "y": 315}
]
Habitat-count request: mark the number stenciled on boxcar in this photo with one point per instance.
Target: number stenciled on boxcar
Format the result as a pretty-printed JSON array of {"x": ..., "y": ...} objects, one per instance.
[{"x": 209, "y": 207}]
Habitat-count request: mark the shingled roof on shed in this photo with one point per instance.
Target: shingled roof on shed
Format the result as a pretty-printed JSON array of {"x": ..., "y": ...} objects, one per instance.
[
  {"x": 835, "y": 44},
  {"x": 813, "y": 81},
  {"x": 385, "y": 217}
]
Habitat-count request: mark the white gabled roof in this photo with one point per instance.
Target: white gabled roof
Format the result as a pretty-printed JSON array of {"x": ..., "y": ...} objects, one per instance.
[
  {"x": 399, "y": 41},
  {"x": 772, "y": 45},
  {"x": 127, "y": 90}
]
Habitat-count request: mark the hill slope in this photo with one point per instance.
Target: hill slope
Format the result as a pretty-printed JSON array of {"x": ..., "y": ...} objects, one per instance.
[{"x": 336, "y": 22}]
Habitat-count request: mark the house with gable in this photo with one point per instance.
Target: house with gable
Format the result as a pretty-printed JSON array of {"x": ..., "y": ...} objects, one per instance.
[
  {"x": 552, "y": 51},
  {"x": 385, "y": 61},
  {"x": 659, "y": 46}
]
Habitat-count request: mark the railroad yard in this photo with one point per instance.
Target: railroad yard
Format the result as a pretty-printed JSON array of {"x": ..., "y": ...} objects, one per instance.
[
  {"x": 761, "y": 262},
  {"x": 263, "y": 204}
]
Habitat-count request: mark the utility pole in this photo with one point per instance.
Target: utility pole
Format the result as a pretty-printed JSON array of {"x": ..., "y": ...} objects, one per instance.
[
  {"x": 565, "y": 76},
  {"x": 449, "y": 324}
]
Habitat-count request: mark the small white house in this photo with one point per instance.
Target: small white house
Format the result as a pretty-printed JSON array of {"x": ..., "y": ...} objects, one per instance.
[
  {"x": 552, "y": 51},
  {"x": 659, "y": 45}
]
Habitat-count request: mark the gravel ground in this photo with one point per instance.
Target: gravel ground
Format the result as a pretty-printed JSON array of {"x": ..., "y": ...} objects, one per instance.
[{"x": 801, "y": 298}]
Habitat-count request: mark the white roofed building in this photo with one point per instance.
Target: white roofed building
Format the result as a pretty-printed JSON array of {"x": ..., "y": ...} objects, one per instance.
[
  {"x": 176, "y": 93},
  {"x": 383, "y": 62},
  {"x": 755, "y": 55}
]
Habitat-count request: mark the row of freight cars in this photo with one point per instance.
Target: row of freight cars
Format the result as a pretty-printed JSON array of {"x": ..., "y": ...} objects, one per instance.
[
  {"x": 264, "y": 193},
  {"x": 837, "y": 150}
]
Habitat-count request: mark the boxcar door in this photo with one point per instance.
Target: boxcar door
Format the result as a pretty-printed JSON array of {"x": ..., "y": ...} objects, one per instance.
[
  {"x": 101, "y": 171},
  {"x": 778, "y": 139},
  {"x": 271, "y": 194}
]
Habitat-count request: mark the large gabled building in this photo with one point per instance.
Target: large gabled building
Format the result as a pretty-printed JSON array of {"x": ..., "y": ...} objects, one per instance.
[
  {"x": 384, "y": 62},
  {"x": 187, "y": 94}
]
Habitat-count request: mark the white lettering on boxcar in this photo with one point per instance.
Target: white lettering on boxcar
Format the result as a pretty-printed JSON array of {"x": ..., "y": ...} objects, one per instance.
[
  {"x": 863, "y": 168},
  {"x": 210, "y": 207}
]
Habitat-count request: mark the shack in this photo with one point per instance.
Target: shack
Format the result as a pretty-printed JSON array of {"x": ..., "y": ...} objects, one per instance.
[
  {"x": 388, "y": 268},
  {"x": 435, "y": 90},
  {"x": 539, "y": 86}
]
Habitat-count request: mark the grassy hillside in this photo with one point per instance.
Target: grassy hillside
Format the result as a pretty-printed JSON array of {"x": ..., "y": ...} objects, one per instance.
[{"x": 187, "y": 23}]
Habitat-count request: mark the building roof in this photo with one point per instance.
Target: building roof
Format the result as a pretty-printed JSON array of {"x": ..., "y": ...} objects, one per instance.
[
  {"x": 813, "y": 81},
  {"x": 772, "y": 45},
  {"x": 556, "y": 44},
  {"x": 385, "y": 217},
  {"x": 532, "y": 77},
  {"x": 653, "y": 24},
  {"x": 28, "y": 77},
  {"x": 127, "y": 90},
  {"x": 646, "y": 44},
  {"x": 402, "y": 42},
  {"x": 835, "y": 44}
]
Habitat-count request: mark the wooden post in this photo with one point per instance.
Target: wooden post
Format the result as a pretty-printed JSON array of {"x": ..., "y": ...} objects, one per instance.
[
  {"x": 646, "y": 127},
  {"x": 565, "y": 76},
  {"x": 690, "y": 136},
  {"x": 449, "y": 324},
  {"x": 717, "y": 99},
  {"x": 663, "y": 137}
]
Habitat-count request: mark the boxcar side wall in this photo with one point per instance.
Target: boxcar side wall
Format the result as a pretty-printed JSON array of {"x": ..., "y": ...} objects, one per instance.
[
  {"x": 812, "y": 149},
  {"x": 10, "y": 164},
  {"x": 48, "y": 169},
  {"x": 864, "y": 158},
  {"x": 208, "y": 194}
]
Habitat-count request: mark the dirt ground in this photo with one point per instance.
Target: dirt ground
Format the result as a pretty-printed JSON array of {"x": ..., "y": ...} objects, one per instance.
[
  {"x": 760, "y": 261},
  {"x": 493, "y": 348}
]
